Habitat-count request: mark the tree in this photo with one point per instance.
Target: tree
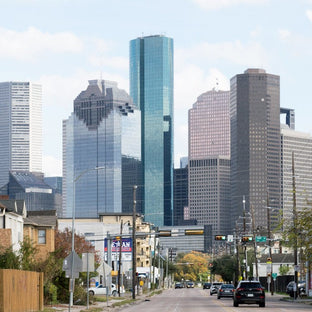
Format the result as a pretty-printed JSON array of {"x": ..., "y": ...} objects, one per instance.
[
  {"x": 225, "y": 266},
  {"x": 192, "y": 266}
]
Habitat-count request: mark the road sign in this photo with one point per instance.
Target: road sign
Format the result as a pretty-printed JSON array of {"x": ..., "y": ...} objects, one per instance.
[
  {"x": 72, "y": 265},
  {"x": 274, "y": 275},
  {"x": 261, "y": 239}
]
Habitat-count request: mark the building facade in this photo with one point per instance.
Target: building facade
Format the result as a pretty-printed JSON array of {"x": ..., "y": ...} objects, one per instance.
[
  {"x": 151, "y": 88},
  {"x": 20, "y": 128},
  {"x": 209, "y": 161},
  {"x": 295, "y": 146},
  {"x": 101, "y": 152},
  {"x": 255, "y": 145},
  {"x": 180, "y": 194}
]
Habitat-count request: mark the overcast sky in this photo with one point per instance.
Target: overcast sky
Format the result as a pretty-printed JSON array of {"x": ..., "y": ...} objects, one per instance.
[{"x": 62, "y": 44}]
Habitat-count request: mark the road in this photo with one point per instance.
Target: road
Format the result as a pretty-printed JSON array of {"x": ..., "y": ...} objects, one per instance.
[{"x": 199, "y": 300}]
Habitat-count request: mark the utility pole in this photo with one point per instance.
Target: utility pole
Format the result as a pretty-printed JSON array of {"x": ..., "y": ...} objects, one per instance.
[
  {"x": 245, "y": 247},
  {"x": 295, "y": 220},
  {"x": 254, "y": 239},
  {"x": 270, "y": 247},
  {"x": 134, "y": 243},
  {"x": 120, "y": 254}
]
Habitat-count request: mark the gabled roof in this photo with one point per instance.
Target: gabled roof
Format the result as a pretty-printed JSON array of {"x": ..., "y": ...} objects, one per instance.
[
  {"x": 44, "y": 218},
  {"x": 279, "y": 258},
  {"x": 14, "y": 205}
]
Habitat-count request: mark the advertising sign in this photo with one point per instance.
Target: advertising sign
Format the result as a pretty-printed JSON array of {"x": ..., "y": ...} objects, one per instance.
[{"x": 126, "y": 249}]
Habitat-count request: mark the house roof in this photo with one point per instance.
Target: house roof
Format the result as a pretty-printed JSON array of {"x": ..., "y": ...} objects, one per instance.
[
  {"x": 13, "y": 205},
  {"x": 45, "y": 218},
  {"x": 279, "y": 258}
]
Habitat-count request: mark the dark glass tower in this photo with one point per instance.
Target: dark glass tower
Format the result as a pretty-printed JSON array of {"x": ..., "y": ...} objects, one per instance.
[
  {"x": 103, "y": 132},
  {"x": 255, "y": 145},
  {"x": 151, "y": 88}
]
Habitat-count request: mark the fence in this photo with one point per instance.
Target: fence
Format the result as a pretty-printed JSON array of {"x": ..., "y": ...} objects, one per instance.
[{"x": 21, "y": 291}]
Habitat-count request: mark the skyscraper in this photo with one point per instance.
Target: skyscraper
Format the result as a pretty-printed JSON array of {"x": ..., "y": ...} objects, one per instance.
[
  {"x": 151, "y": 88},
  {"x": 255, "y": 145},
  {"x": 209, "y": 160},
  {"x": 20, "y": 128},
  {"x": 298, "y": 145},
  {"x": 101, "y": 151}
]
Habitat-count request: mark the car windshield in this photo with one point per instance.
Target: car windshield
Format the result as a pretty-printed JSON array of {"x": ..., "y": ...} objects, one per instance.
[{"x": 250, "y": 285}]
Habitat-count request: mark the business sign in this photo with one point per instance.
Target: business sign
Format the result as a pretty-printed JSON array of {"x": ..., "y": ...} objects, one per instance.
[{"x": 126, "y": 249}]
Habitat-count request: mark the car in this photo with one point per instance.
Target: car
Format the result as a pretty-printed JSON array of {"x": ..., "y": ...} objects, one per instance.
[
  {"x": 214, "y": 288},
  {"x": 102, "y": 290},
  {"x": 301, "y": 288},
  {"x": 178, "y": 285},
  {"x": 206, "y": 285},
  {"x": 226, "y": 290},
  {"x": 190, "y": 285},
  {"x": 249, "y": 292}
]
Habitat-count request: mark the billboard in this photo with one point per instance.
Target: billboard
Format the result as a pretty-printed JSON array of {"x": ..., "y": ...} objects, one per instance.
[{"x": 126, "y": 249}]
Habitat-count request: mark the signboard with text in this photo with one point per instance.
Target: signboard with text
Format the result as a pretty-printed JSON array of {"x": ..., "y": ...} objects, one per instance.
[{"x": 126, "y": 249}]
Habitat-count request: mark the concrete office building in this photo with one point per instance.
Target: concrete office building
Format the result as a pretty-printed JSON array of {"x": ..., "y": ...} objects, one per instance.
[
  {"x": 151, "y": 88},
  {"x": 255, "y": 146},
  {"x": 298, "y": 145},
  {"x": 20, "y": 128},
  {"x": 101, "y": 152},
  {"x": 209, "y": 161}
]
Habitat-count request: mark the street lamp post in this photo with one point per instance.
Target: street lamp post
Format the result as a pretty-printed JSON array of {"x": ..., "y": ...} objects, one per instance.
[{"x": 72, "y": 279}]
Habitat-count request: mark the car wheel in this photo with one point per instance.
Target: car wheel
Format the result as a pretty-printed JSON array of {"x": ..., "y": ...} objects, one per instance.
[
  {"x": 218, "y": 297},
  {"x": 235, "y": 303},
  {"x": 91, "y": 292},
  {"x": 262, "y": 304},
  {"x": 210, "y": 294},
  {"x": 114, "y": 293}
]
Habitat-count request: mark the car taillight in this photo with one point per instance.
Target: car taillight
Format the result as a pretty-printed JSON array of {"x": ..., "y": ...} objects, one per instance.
[{"x": 240, "y": 289}]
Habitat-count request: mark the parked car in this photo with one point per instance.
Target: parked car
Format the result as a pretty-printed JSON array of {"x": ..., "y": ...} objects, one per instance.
[
  {"x": 226, "y": 290},
  {"x": 190, "y": 285},
  {"x": 301, "y": 288},
  {"x": 178, "y": 285},
  {"x": 249, "y": 292},
  {"x": 206, "y": 285},
  {"x": 214, "y": 288},
  {"x": 102, "y": 290}
]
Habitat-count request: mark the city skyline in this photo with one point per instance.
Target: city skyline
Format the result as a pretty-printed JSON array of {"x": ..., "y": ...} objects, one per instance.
[{"x": 211, "y": 45}]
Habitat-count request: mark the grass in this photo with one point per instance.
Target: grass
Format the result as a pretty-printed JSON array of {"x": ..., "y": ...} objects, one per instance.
[{"x": 123, "y": 302}]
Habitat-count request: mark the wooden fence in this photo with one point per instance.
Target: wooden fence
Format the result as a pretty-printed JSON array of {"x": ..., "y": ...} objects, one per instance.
[{"x": 21, "y": 291}]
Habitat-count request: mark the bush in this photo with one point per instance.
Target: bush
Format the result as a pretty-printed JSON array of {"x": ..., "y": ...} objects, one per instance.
[{"x": 50, "y": 294}]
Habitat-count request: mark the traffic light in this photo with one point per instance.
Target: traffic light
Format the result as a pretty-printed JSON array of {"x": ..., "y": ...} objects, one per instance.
[
  {"x": 246, "y": 239},
  {"x": 220, "y": 237}
]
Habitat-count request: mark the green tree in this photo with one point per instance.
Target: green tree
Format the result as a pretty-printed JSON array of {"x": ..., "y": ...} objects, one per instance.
[
  {"x": 9, "y": 259},
  {"x": 224, "y": 266}
]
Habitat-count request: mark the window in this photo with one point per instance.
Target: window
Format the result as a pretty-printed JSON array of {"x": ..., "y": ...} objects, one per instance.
[{"x": 41, "y": 236}]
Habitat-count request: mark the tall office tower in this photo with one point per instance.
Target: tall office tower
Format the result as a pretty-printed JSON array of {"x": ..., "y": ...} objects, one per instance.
[
  {"x": 101, "y": 152},
  {"x": 180, "y": 194},
  {"x": 297, "y": 145},
  {"x": 20, "y": 128},
  {"x": 209, "y": 125},
  {"x": 151, "y": 87},
  {"x": 209, "y": 160},
  {"x": 255, "y": 146}
]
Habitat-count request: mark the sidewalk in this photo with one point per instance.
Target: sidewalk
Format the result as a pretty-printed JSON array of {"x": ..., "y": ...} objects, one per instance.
[{"x": 104, "y": 306}]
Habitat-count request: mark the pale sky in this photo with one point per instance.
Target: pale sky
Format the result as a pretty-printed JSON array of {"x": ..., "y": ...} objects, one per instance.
[{"x": 62, "y": 44}]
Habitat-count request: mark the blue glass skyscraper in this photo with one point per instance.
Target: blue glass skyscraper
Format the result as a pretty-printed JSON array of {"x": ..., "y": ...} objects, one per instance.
[
  {"x": 101, "y": 152},
  {"x": 151, "y": 88}
]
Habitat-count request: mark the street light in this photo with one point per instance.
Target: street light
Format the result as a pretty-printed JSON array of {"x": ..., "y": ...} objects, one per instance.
[{"x": 72, "y": 279}]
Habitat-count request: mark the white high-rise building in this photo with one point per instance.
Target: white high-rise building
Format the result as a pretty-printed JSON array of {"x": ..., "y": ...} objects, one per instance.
[{"x": 20, "y": 128}]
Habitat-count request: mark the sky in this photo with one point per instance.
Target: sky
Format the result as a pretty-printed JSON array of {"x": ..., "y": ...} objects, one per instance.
[{"x": 62, "y": 44}]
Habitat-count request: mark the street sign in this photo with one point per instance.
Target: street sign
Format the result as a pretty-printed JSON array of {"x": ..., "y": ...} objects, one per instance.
[
  {"x": 261, "y": 239},
  {"x": 274, "y": 275},
  {"x": 72, "y": 265}
]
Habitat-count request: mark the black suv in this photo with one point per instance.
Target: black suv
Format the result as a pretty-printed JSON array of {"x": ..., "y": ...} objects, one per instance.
[{"x": 249, "y": 292}]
